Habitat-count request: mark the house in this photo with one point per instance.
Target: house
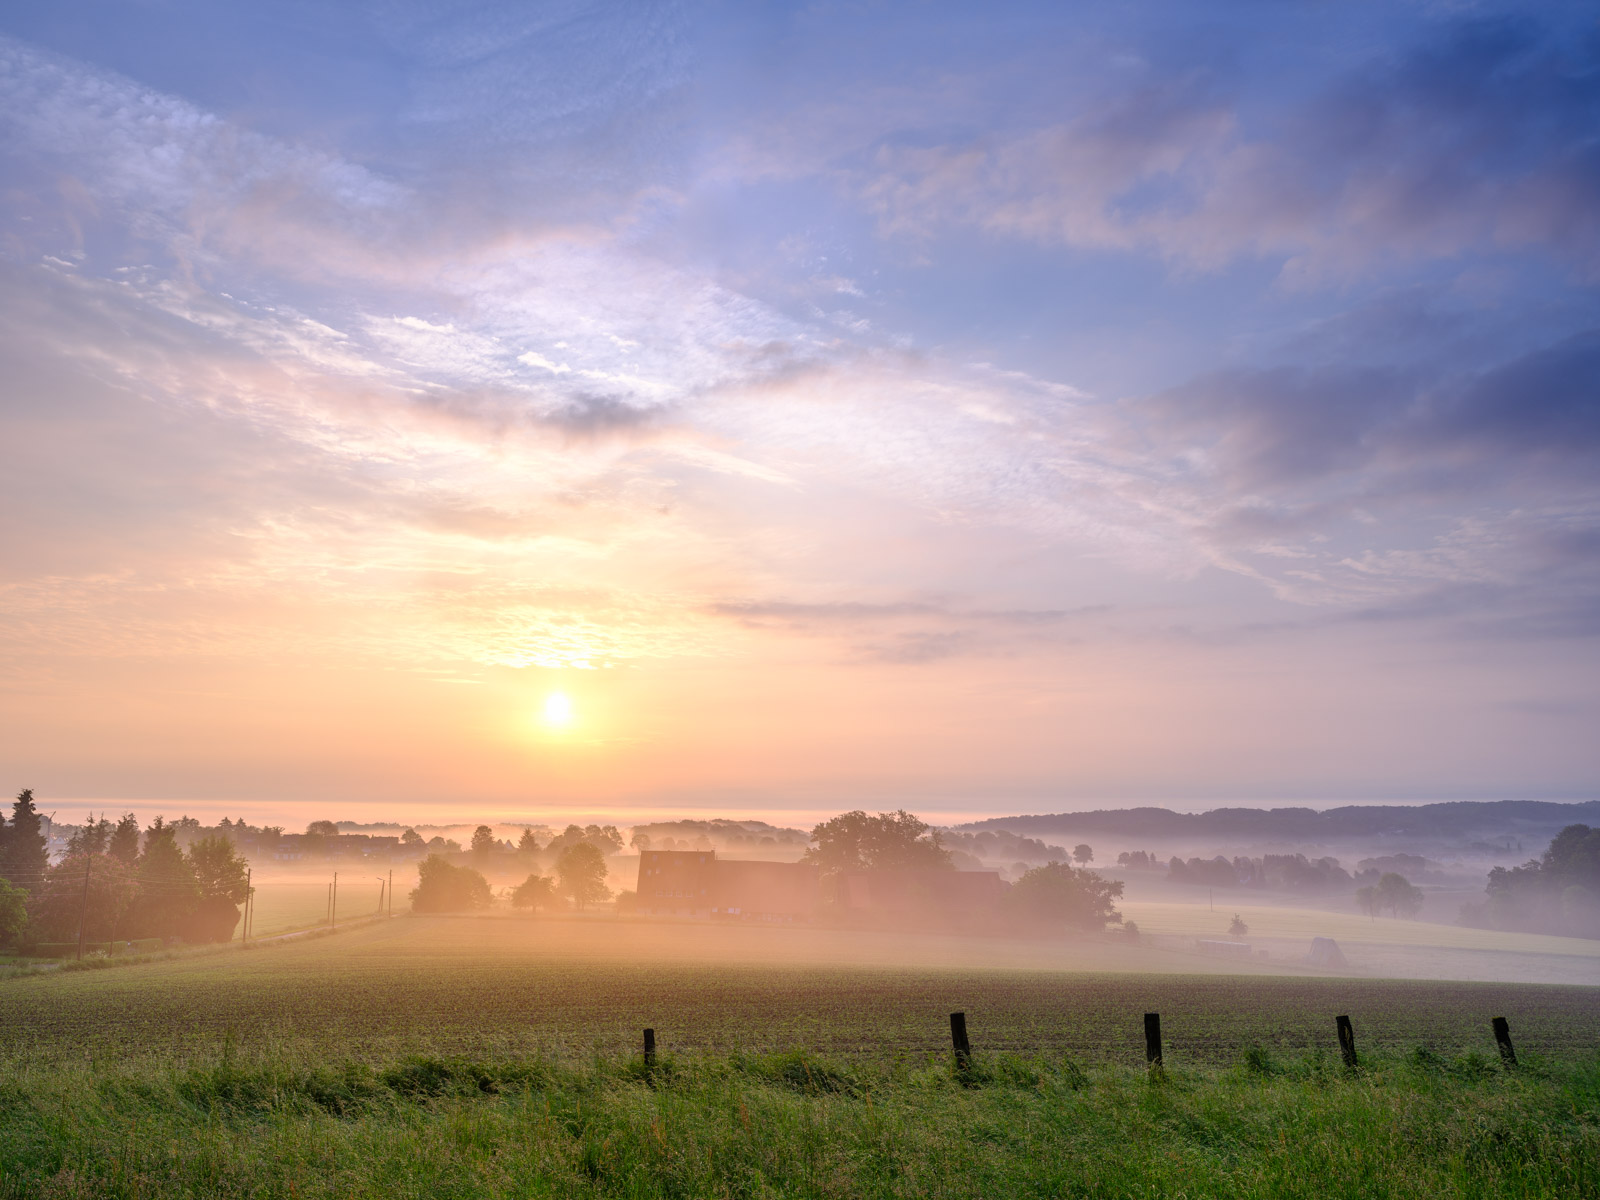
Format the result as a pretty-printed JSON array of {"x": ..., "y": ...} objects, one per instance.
[
  {"x": 676, "y": 883},
  {"x": 696, "y": 883}
]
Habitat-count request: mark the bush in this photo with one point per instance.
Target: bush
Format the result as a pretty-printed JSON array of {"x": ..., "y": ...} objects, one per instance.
[{"x": 444, "y": 887}]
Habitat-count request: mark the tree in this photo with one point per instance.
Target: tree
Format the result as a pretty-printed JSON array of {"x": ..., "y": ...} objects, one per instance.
[
  {"x": 220, "y": 873},
  {"x": 92, "y": 838},
  {"x": 25, "y": 860},
  {"x": 1237, "y": 927},
  {"x": 1558, "y": 893},
  {"x": 527, "y": 844},
  {"x": 61, "y": 904},
  {"x": 1396, "y": 893},
  {"x": 483, "y": 842},
  {"x": 167, "y": 891},
  {"x": 854, "y": 841},
  {"x": 535, "y": 892},
  {"x": 1055, "y": 896},
  {"x": 1083, "y": 854},
  {"x": 641, "y": 842},
  {"x": 411, "y": 839},
  {"x": 1369, "y": 900},
  {"x": 13, "y": 912},
  {"x": 124, "y": 843},
  {"x": 582, "y": 871},
  {"x": 444, "y": 887},
  {"x": 323, "y": 829}
]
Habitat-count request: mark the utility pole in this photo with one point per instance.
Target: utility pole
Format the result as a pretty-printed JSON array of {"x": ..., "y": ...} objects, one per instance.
[
  {"x": 391, "y": 891},
  {"x": 333, "y": 903},
  {"x": 380, "y": 894},
  {"x": 88, "y": 864}
]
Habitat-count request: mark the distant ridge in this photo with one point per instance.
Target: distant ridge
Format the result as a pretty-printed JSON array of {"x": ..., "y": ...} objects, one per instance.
[{"x": 1454, "y": 817}]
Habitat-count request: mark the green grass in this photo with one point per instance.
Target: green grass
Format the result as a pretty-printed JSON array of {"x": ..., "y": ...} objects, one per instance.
[
  {"x": 276, "y": 1122},
  {"x": 439, "y": 1058}
]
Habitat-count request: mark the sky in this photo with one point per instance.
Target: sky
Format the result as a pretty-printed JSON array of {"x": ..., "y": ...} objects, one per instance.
[{"x": 492, "y": 409}]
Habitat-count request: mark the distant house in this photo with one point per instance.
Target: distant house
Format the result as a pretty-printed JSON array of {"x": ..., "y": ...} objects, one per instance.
[
  {"x": 290, "y": 848},
  {"x": 696, "y": 883}
]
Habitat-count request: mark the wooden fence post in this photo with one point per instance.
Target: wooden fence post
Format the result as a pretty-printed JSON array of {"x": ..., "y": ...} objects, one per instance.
[
  {"x": 958, "y": 1038},
  {"x": 649, "y": 1049},
  {"x": 1152, "y": 1038},
  {"x": 1502, "y": 1035},
  {"x": 1347, "y": 1041}
]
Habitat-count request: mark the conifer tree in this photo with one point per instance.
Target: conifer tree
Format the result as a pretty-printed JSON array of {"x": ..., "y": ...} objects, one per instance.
[
  {"x": 124, "y": 842},
  {"x": 25, "y": 859}
]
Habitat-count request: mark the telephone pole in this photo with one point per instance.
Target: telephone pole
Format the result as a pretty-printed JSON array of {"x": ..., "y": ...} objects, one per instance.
[
  {"x": 333, "y": 902},
  {"x": 391, "y": 891},
  {"x": 83, "y": 912}
]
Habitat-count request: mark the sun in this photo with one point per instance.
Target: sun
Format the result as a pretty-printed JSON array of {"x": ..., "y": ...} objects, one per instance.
[{"x": 558, "y": 710}]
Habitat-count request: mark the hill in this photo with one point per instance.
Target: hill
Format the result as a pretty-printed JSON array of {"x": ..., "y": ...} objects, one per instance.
[{"x": 1456, "y": 818}]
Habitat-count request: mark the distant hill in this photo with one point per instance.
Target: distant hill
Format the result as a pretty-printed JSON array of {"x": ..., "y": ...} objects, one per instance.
[{"x": 1452, "y": 819}]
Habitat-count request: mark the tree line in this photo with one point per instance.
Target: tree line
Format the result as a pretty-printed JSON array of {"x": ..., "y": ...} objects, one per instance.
[{"x": 116, "y": 882}]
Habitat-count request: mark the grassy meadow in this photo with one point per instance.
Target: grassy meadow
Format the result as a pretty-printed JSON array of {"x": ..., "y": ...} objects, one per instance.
[{"x": 499, "y": 1057}]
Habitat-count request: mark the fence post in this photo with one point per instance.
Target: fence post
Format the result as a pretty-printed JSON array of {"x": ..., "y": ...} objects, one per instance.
[
  {"x": 1502, "y": 1035},
  {"x": 1347, "y": 1041},
  {"x": 649, "y": 1049},
  {"x": 1152, "y": 1039},
  {"x": 958, "y": 1039}
]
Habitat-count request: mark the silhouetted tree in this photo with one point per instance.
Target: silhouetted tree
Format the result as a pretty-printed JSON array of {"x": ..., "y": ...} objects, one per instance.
[
  {"x": 527, "y": 844},
  {"x": 1559, "y": 892},
  {"x": 59, "y": 905},
  {"x": 483, "y": 842},
  {"x": 13, "y": 912},
  {"x": 1083, "y": 854},
  {"x": 411, "y": 838},
  {"x": 1396, "y": 893},
  {"x": 167, "y": 892},
  {"x": 323, "y": 829},
  {"x": 219, "y": 874},
  {"x": 124, "y": 843},
  {"x": 91, "y": 838},
  {"x": 582, "y": 871},
  {"x": 854, "y": 841},
  {"x": 444, "y": 887},
  {"x": 1369, "y": 900},
  {"x": 1055, "y": 896},
  {"x": 1237, "y": 927},
  {"x": 535, "y": 892},
  {"x": 24, "y": 859}
]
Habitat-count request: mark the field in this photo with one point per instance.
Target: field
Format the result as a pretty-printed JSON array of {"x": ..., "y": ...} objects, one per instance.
[
  {"x": 1385, "y": 946},
  {"x": 497, "y": 1056}
]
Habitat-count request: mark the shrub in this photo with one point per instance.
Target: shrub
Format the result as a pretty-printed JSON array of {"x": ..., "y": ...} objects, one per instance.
[{"x": 444, "y": 887}]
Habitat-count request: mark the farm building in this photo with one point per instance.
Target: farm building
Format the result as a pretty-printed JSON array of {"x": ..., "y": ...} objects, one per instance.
[{"x": 696, "y": 883}]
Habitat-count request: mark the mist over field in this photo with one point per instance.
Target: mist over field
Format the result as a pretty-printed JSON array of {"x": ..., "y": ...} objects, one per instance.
[{"x": 685, "y": 598}]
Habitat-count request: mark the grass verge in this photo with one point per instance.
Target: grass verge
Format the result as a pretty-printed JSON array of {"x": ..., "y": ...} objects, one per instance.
[{"x": 276, "y": 1121}]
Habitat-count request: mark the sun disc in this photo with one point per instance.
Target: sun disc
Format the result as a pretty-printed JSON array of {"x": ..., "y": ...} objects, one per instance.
[{"x": 557, "y": 710}]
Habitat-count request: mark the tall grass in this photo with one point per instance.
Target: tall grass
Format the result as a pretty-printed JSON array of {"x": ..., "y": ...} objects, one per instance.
[{"x": 274, "y": 1121}]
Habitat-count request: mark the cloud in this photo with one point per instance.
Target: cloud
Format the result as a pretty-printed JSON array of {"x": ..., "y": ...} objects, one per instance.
[
  {"x": 1480, "y": 137},
  {"x": 1287, "y": 430}
]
